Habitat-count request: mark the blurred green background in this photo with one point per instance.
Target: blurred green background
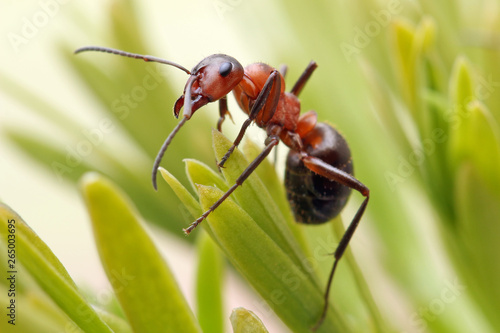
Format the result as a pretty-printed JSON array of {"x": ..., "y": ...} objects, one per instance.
[{"x": 412, "y": 85}]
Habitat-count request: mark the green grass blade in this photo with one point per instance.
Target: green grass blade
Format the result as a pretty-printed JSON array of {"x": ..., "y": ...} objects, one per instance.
[
  {"x": 190, "y": 209},
  {"x": 209, "y": 286},
  {"x": 258, "y": 203},
  {"x": 293, "y": 296},
  {"x": 480, "y": 136},
  {"x": 44, "y": 315},
  {"x": 461, "y": 94},
  {"x": 118, "y": 324},
  {"x": 477, "y": 240},
  {"x": 267, "y": 173},
  {"x": 143, "y": 283},
  {"x": 200, "y": 173},
  {"x": 48, "y": 272}
]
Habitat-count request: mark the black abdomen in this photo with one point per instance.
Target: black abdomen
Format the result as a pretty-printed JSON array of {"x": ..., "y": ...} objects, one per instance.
[{"x": 313, "y": 198}]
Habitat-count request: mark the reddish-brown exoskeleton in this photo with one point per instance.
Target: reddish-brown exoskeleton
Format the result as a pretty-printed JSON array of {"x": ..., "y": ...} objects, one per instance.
[{"x": 319, "y": 173}]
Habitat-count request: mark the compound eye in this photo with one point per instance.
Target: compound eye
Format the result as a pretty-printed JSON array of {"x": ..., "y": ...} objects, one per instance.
[{"x": 225, "y": 68}]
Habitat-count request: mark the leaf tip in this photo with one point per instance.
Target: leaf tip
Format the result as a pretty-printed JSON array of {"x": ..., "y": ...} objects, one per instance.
[{"x": 243, "y": 320}]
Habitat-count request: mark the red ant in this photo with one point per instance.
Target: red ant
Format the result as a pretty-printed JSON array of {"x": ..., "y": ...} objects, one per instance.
[{"x": 319, "y": 171}]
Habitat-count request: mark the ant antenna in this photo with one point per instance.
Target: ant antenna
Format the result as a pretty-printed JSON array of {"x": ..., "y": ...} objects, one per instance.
[
  {"x": 187, "y": 102},
  {"x": 187, "y": 115},
  {"x": 146, "y": 58},
  {"x": 163, "y": 149}
]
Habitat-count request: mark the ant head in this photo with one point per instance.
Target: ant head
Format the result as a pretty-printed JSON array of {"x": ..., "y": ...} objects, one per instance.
[{"x": 213, "y": 78}]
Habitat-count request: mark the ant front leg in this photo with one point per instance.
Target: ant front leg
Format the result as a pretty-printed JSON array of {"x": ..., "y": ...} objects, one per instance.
[
  {"x": 271, "y": 142},
  {"x": 324, "y": 169},
  {"x": 223, "y": 111},
  {"x": 265, "y": 103}
]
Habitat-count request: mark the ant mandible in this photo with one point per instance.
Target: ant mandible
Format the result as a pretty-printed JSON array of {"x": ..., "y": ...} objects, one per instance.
[{"x": 319, "y": 171}]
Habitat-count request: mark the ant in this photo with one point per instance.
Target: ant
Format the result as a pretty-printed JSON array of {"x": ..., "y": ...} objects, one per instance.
[{"x": 319, "y": 170}]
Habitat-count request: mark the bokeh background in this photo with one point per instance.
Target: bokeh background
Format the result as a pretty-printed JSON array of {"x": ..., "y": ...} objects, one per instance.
[{"x": 412, "y": 85}]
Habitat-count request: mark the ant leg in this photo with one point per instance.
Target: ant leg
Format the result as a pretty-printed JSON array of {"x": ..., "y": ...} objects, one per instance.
[
  {"x": 265, "y": 103},
  {"x": 235, "y": 143},
  {"x": 223, "y": 111},
  {"x": 324, "y": 169},
  {"x": 271, "y": 142},
  {"x": 299, "y": 85},
  {"x": 338, "y": 255},
  {"x": 275, "y": 160}
]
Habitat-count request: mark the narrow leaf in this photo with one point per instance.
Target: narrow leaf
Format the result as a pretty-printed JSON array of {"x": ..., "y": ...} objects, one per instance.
[
  {"x": 118, "y": 324},
  {"x": 293, "y": 296},
  {"x": 258, "y": 203},
  {"x": 403, "y": 40},
  {"x": 209, "y": 285},
  {"x": 143, "y": 283},
  {"x": 479, "y": 129},
  {"x": 267, "y": 173},
  {"x": 183, "y": 194},
  {"x": 46, "y": 269},
  {"x": 200, "y": 173},
  {"x": 461, "y": 94},
  {"x": 44, "y": 316},
  {"x": 478, "y": 216}
]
